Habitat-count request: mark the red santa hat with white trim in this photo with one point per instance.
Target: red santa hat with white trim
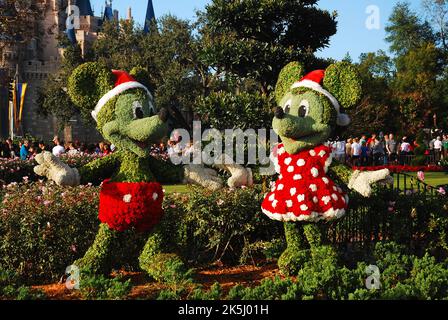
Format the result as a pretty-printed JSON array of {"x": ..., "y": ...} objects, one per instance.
[
  {"x": 124, "y": 81},
  {"x": 313, "y": 81}
]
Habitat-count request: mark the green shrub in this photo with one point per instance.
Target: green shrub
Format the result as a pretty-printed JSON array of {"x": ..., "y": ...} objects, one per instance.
[
  {"x": 11, "y": 288},
  {"x": 99, "y": 287}
]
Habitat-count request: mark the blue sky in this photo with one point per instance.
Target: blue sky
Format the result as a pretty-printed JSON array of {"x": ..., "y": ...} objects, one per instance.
[{"x": 353, "y": 36}]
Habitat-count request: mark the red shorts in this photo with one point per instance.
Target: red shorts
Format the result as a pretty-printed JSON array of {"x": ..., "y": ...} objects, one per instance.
[{"x": 124, "y": 205}]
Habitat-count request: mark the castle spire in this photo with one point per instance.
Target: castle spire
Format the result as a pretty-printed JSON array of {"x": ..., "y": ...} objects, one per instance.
[
  {"x": 150, "y": 15},
  {"x": 85, "y": 8},
  {"x": 108, "y": 12}
]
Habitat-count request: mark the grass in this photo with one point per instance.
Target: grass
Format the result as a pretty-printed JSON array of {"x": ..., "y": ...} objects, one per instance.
[
  {"x": 178, "y": 188},
  {"x": 432, "y": 178}
]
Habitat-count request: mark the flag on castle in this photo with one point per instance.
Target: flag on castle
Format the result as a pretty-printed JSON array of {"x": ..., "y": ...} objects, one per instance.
[{"x": 16, "y": 102}]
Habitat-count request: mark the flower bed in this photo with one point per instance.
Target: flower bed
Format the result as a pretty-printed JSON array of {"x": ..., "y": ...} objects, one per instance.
[{"x": 402, "y": 168}]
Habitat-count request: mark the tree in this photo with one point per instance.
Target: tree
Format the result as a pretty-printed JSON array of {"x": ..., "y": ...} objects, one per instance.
[
  {"x": 406, "y": 31},
  {"x": 255, "y": 38},
  {"x": 437, "y": 12}
]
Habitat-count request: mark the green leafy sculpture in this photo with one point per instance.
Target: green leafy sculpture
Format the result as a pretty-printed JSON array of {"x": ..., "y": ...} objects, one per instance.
[
  {"x": 131, "y": 197},
  {"x": 310, "y": 109}
]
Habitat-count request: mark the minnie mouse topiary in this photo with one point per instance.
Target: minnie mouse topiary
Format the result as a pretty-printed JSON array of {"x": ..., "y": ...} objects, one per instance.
[{"x": 310, "y": 109}]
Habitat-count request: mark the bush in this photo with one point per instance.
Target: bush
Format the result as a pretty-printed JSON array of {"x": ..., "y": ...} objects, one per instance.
[
  {"x": 11, "y": 288},
  {"x": 99, "y": 287}
]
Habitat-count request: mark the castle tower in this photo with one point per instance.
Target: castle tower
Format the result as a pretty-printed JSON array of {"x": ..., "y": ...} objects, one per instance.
[{"x": 150, "y": 15}]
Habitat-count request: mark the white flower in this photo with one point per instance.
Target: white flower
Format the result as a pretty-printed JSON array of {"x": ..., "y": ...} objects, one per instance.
[
  {"x": 312, "y": 153},
  {"x": 315, "y": 200},
  {"x": 314, "y": 172},
  {"x": 289, "y": 203},
  {"x": 325, "y": 180},
  {"x": 288, "y": 161},
  {"x": 335, "y": 197},
  {"x": 322, "y": 153},
  {"x": 301, "y": 197},
  {"x": 281, "y": 151},
  {"x": 280, "y": 187},
  {"x": 274, "y": 203},
  {"x": 272, "y": 197},
  {"x": 326, "y": 199},
  {"x": 127, "y": 198},
  {"x": 301, "y": 162},
  {"x": 290, "y": 169},
  {"x": 303, "y": 207},
  {"x": 155, "y": 196},
  {"x": 313, "y": 187},
  {"x": 334, "y": 188},
  {"x": 292, "y": 191},
  {"x": 297, "y": 177}
]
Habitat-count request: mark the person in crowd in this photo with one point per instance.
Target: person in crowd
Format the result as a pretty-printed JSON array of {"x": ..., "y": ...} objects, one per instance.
[
  {"x": 445, "y": 146},
  {"x": 377, "y": 152},
  {"x": 42, "y": 147},
  {"x": 24, "y": 150},
  {"x": 364, "y": 154},
  {"x": 58, "y": 148},
  {"x": 391, "y": 148},
  {"x": 339, "y": 150},
  {"x": 32, "y": 152},
  {"x": 385, "y": 141},
  {"x": 106, "y": 149},
  {"x": 10, "y": 148},
  {"x": 72, "y": 150},
  {"x": 348, "y": 150},
  {"x": 405, "y": 148},
  {"x": 356, "y": 152},
  {"x": 363, "y": 139},
  {"x": 438, "y": 145}
]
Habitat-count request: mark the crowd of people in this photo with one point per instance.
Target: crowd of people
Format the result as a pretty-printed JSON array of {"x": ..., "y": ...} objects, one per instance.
[
  {"x": 27, "y": 150},
  {"x": 383, "y": 149}
]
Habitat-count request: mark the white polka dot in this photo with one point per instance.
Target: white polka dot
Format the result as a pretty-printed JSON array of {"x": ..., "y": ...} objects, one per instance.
[
  {"x": 301, "y": 197},
  {"x": 315, "y": 200},
  {"x": 312, "y": 153},
  {"x": 335, "y": 197},
  {"x": 127, "y": 198},
  {"x": 281, "y": 151},
  {"x": 313, "y": 187},
  {"x": 280, "y": 176},
  {"x": 314, "y": 172},
  {"x": 289, "y": 203},
  {"x": 272, "y": 197},
  {"x": 343, "y": 199},
  {"x": 326, "y": 199},
  {"x": 339, "y": 190},
  {"x": 288, "y": 161},
  {"x": 290, "y": 169},
  {"x": 280, "y": 187},
  {"x": 303, "y": 207},
  {"x": 274, "y": 203},
  {"x": 297, "y": 177},
  {"x": 334, "y": 188},
  {"x": 322, "y": 153},
  {"x": 292, "y": 191},
  {"x": 301, "y": 162},
  {"x": 155, "y": 196},
  {"x": 325, "y": 180}
]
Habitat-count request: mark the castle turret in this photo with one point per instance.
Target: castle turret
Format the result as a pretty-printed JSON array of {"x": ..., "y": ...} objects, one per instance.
[
  {"x": 150, "y": 15},
  {"x": 85, "y": 8}
]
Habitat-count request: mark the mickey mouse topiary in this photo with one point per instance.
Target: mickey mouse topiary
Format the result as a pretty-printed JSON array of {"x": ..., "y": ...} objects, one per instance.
[
  {"x": 130, "y": 197},
  {"x": 310, "y": 109}
]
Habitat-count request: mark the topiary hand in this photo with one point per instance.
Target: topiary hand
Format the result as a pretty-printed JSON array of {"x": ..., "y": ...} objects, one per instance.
[
  {"x": 54, "y": 169},
  {"x": 200, "y": 175},
  {"x": 361, "y": 181}
]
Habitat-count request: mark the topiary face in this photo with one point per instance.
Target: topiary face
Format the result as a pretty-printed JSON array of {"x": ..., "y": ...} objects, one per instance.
[
  {"x": 129, "y": 120},
  {"x": 307, "y": 112}
]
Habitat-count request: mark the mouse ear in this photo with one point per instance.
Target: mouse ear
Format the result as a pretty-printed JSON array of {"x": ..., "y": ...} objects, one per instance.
[
  {"x": 143, "y": 76},
  {"x": 88, "y": 83},
  {"x": 343, "y": 81},
  {"x": 291, "y": 73}
]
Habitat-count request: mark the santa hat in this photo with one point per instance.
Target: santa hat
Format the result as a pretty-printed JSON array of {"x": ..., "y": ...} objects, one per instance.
[
  {"x": 314, "y": 80},
  {"x": 123, "y": 82}
]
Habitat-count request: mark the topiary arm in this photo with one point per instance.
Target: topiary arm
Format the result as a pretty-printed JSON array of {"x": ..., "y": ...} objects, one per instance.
[
  {"x": 96, "y": 171},
  {"x": 357, "y": 180}
]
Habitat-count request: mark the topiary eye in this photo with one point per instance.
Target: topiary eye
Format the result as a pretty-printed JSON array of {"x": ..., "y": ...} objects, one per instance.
[
  {"x": 138, "y": 110},
  {"x": 287, "y": 107},
  {"x": 303, "y": 109}
]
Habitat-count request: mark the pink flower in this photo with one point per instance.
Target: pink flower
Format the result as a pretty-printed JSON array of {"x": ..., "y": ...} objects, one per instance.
[
  {"x": 173, "y": 206},
  {"x": 421, "y": 176},
  {"x": 47, "y": 203},
  {"x": 442, "y": 191},
  {"x": 390, "y": 209}
]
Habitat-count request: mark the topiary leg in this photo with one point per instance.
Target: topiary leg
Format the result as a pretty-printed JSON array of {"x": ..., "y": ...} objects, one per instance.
[
  {"x": 313, "y": 233},
  {"x": 163, "y": 267},
  {"x": 98, "y": 257},
  {"x": 296, "y": 253}
]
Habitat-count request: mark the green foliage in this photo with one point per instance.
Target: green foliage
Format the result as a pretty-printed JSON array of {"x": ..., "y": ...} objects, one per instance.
[
  {"x": 225, "y": 110},
  {"x": 96, "y": 171},
  {"x": 98, "y": 287},
  {"x": 343, "y": 81},
  {"x": 254, "y": 38},
  {"x": 88, "y": 83},
  {"x": 214, "y": 293},
  {"x": 11, "y": 288}
]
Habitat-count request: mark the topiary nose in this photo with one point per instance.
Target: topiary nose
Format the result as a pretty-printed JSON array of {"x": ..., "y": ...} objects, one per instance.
[
  {"x": 163, "y": 115},
  {"x": 279, "y": 113}
]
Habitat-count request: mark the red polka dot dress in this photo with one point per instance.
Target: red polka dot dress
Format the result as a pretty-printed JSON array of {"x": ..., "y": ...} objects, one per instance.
[{"x": 303, "y": 192}]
